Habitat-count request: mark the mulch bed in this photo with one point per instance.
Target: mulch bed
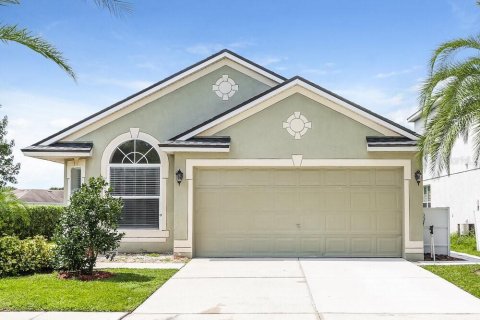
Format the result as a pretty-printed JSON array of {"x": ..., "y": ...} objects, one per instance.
[
  {"x": 96, "y": 275},
  {"x": 440, "y": 257}
]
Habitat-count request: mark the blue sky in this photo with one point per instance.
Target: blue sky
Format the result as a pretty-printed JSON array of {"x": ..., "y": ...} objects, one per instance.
[{"x": 372, "y": 52}]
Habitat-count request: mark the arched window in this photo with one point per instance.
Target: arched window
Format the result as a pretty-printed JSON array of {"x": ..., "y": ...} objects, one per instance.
[{"x": 134, "y": 174}]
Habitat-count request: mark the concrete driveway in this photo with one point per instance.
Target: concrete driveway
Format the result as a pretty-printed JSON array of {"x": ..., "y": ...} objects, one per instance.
[{"x": 306, "y": 289}]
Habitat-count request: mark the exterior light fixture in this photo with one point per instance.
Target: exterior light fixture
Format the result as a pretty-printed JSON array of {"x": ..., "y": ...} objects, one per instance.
[
  {"x": 418, "y": 176},
  {"x": 179, "y": 176}
]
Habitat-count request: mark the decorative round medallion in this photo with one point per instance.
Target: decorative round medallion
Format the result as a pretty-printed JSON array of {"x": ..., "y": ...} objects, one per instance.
[
  {"x": 297, "y": 125},
  {"x": 225, "y": 87}
]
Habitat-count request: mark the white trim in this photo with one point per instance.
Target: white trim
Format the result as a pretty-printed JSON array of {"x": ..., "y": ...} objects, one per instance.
[
  {"x": 191, "y": 163},
  {"x": 224, "y": 59},
  {"x": 76, "y": 163},
  {"x": 186, "y": 245},
  {"x": 414, "y": 117},
  {"x": 144, "y": 233},
  {"x": 164, "y": 166},
  {"x": 405, "y": 149},
  {"x": 193, "y": 149},
  {"x": 53, "y": 154},
  {"x": 144, "y": 240},
  {"x": 296, "y": 86}
]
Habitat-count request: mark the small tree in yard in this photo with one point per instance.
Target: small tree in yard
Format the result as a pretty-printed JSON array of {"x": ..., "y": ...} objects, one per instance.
[
  {"x": 87, "y": 227},
  {"x": 8, "y": 169}
]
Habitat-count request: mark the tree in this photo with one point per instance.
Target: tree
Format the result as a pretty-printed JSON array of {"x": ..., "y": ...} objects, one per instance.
[
  {"x": 450, "y": 101},
  {"x": 13, "y": 33},
  {"x": 87, "y": 227},
  {"x": 8, "y": 169}
]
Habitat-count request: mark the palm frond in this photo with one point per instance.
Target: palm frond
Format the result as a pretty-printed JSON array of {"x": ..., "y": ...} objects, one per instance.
[
  {"x": 11, "y": 33},
  {"x": 116, "y": 7},
  {"x": 6, "y": 2},
  {"x": 446, "y": 51}
]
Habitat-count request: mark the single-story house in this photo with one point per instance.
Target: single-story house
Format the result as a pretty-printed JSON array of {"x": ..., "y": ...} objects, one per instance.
[
  {"x": 229, "y": 159},
  {"x": 40, "y": 196}
]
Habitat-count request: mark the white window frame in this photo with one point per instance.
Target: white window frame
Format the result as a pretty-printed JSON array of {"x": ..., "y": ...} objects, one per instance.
[
  {"x": 134, "y": 235},
  {"x": 79, "y": 164},
  {"x": 428, "y": 203}
]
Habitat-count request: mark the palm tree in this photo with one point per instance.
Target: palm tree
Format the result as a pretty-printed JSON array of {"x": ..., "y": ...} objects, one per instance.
[
  {"x": 450, "y": 101},
  {"x": 13, "y": 33}
]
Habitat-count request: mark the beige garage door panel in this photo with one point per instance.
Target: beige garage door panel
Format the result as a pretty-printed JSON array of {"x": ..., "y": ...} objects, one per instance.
[{"x": 298, "y": 212}]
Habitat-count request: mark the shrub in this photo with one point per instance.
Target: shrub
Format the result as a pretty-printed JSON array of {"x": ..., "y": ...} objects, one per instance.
[
  {"x": 43, "y": 220},
  {"x": 88, "y": 226},
  {"x": 22, "y": 221},
  {"x": 13, "y": 214},
  {"x": 25, "y": 256}
]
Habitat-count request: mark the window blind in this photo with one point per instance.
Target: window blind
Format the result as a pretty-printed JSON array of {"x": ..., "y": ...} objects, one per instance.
[
  {"x": 140, "y": 189},
  {"x": 135, "y": 181}
]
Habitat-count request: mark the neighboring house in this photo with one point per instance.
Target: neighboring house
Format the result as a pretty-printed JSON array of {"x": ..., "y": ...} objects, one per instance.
[
  {"x": 40, "y": 196},
  {"x": 229, "y": 159},
  {"x": 459, "y": 189}
]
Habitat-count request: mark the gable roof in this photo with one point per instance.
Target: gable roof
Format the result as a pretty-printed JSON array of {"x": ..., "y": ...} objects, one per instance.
[
  {"x": 225, "y": 53},
  {"x": 288, "y": 84}
]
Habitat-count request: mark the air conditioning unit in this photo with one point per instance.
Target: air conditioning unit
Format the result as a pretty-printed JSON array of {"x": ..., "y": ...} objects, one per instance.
[{"x": 464, "y": 229}]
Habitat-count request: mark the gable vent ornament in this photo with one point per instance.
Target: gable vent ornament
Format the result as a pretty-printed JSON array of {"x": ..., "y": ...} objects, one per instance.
[
  {"x": 297, "y": 125},
  {"x": 225, "y": 87}
]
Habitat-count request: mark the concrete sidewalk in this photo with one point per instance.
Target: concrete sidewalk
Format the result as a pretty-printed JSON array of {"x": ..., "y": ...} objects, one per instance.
[
  {"x": 139, "y": 265},
  {"x": 62, "y": 315}
]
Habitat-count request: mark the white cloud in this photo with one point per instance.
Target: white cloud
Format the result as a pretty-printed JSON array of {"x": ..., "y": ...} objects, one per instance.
[
  {"x": 326, "y": 68},
  {"x": 61, "y": 123},
  {"x": 396, "y": 73},
  {"x": 400, "y": 116},
  {"x": 128, "y": 84},
  {"x": 373, "y": 98},
  {"x": 204, "y": 49},
  {"x": 269, "y": 60}
]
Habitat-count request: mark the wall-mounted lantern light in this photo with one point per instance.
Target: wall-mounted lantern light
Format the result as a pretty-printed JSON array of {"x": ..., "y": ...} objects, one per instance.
[
  {"x": 179, "y": 176},
  {"x": 418, "y": 176}
]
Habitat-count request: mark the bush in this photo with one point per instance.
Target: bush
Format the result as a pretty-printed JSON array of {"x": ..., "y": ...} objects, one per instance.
[
  {"x": 14, "y": 218},
  {"x": 23, "y": 221},
  {"x": 88, "y": 226},
  {"x": 43, "y": 220},
  {"x": 25, "y": 256}
]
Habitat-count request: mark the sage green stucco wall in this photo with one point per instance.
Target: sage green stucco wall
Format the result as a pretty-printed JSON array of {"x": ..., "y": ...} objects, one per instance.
[
  {"x": 332, "y": 136},
  {"x": 174, "y": 113},
  {"x": 164, "y": 118}
]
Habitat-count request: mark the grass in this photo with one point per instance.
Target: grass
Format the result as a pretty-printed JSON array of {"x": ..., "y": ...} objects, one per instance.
[
  {"x": 466, "y": 244},
  {"x": 126, "y": 290},
  {"x": 465, "y": 277}
]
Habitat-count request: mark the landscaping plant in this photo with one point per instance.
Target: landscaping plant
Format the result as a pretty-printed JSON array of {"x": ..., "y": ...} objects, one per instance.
[
  {"x": 25, "y": 256},
  {"x": 43, "y": 220},
  {"x": 13, "y": 214},
  {"x": 87, "y": 227}
]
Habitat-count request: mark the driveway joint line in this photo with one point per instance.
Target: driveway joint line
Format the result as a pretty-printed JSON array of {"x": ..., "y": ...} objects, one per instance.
[{"x": 317, "y": 314}]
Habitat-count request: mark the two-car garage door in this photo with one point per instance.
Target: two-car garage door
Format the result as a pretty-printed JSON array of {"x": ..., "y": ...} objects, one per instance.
[{"x": 334, "y": 212}]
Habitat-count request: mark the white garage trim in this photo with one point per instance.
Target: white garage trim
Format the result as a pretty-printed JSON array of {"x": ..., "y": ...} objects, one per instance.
[{"x": 186, "y": 245}]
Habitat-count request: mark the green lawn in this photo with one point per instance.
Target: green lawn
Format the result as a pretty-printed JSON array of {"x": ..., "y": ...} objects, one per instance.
[
  {"x": 464, "y": 277},
  {"x": 126, "y": 290},
  {"x": 465, "y": 244}
]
